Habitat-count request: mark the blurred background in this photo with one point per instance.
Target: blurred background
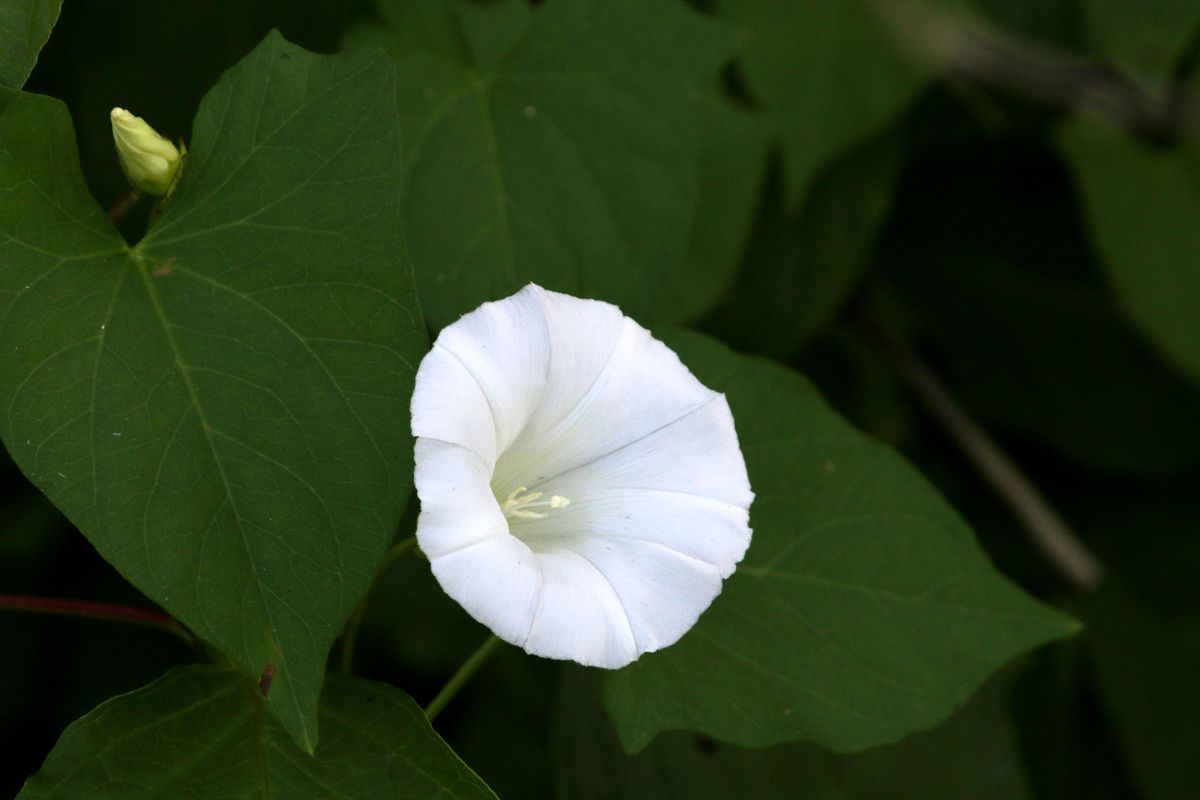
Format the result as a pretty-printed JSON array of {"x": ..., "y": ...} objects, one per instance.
[{"x": 998, "y": 204}]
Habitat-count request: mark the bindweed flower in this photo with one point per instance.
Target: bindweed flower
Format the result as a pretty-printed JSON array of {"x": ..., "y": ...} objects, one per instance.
[
  {"x": 582, "y": 493},
  {"x": 149, "y": 161}
]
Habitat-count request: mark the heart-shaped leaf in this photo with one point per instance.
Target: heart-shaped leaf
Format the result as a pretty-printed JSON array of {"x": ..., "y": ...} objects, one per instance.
[
  {"x": 221, "y": 409},
  {"x": 556, "y": 145},
  {"x": 864, "y": 609},
  {"x": 200, "y": 732}
]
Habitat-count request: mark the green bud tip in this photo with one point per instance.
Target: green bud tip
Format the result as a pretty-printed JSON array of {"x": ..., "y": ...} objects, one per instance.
[{"x": 149, "y": 160}]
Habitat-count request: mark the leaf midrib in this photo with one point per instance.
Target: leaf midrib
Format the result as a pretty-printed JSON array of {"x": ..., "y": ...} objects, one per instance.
[{"x": 185, "y": 374}]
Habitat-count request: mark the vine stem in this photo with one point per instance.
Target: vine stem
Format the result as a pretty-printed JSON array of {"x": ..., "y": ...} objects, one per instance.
[
  {"x": 460, "y": 678},
  {"x": 107, "y": 612},
  {"x": 1046, "y": 528},
  {"x": 350, "y": 635}
]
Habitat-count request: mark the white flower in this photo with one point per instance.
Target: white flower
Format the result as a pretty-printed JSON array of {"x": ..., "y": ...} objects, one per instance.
[
  {"x": 149, "y": 160},
  {"x": 582, "y": 494}
]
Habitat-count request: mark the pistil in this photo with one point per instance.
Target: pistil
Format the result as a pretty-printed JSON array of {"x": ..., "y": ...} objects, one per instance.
[{"x": 520, "y": 502}]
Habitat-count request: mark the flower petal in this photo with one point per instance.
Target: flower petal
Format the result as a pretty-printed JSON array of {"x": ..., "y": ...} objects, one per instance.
[
  {"x": 504, "y": 346},
  {"x": 697, "y": 454},
  {"x": 698, "y": 528},
  {"x": 579, "y": 615},
  {"x": 662, "y": 592},
  {"x": 448, "y": 404},
  {"x": 497, "y": 581},
  {"x": 596, "y": 404},
  {"x": 458, "y": 508}
]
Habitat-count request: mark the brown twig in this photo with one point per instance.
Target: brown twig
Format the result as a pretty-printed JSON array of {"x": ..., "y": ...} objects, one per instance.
[
  {"x": 965, "y": 47},
  {"x": 108, "y": 612},
  {"x": 1047, "y": 530},
  {"x": 122, "y": 206}
]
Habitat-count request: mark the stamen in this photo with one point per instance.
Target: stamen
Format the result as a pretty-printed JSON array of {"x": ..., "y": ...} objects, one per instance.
[{"x": 519, "y": 503}]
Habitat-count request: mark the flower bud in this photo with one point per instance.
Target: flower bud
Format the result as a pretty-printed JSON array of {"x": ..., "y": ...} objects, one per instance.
[{"x": 149, "y": 160}]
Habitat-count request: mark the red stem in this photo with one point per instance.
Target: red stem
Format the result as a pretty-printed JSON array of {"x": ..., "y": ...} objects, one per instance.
[{"x": 87, "y": 609}]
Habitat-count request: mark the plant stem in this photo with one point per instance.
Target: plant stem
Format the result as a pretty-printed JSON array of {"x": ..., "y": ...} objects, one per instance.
[
  {"x": 350, "y": 635},
  {"x": 399, "y": 550},
  {"x": 108, "y": 612},
  {"x": 1048, "y": 531},
  {"x": 460, "y": 678},
  {"x": 122, "y": 206},
  {"x": 966, "y": 48}
]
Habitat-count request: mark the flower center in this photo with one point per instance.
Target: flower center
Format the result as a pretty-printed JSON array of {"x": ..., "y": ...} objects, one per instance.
[{"x": 520, "y": 502}]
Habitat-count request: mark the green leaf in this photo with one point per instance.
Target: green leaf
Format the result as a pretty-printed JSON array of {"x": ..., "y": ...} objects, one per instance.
[
  {"x": 1143, "y": 628},
  {"x": 973, "y": 755},
  {"x": 801, "y": 269},
  {"x": 199, "y": 732},
  {"x": 733, "y": 155},
  {"x": 25, "y": 26},
  {"x": 556, "y": 144},
  {"x": 831, "y": 74},
  {"x": 1146, "y": 38},
  {"x": 221, "y": 409},
  {"x": 1143, "y": 205},
  {"x": 1146, "y": 666},
  {"x": 864, "y": 609}
]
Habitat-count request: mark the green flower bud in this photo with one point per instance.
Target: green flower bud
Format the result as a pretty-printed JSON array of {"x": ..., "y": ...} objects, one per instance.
[{"x": 149, "y": 160}]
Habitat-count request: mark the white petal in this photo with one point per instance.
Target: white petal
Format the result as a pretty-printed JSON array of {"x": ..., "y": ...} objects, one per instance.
[
  {"x": 504, "y": 346},
  {"x": 662, "y": 592},
  {"x": 448, "y": 404},
  {"x": 458, "y": 508},
  {"x": 497, "y": 581},
  {"x": 697, "y": 454},
  {"x": 579, "y": 615},
  {"x": 597, "y": 406},
  {"x": 702, "y": 529}
]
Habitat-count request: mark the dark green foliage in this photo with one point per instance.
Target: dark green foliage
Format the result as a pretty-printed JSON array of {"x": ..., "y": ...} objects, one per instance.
[
  {"x": 24, "y": 27},
  {"x": 201, "y": 732},
  {"x": 204, "y": 405}
]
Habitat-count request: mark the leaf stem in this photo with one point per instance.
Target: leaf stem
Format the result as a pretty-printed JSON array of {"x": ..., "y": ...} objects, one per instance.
[
  {"x": 460, "y": 678},
  {"x": 350, "y": 634},
  {"x": 1047, "y": 530},
  {"x": 108, "y": 612}
]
